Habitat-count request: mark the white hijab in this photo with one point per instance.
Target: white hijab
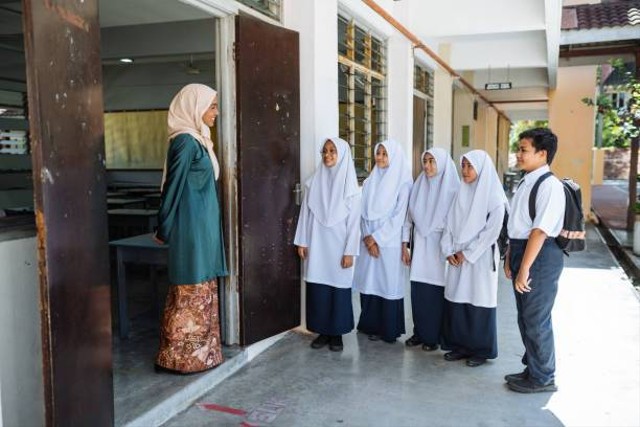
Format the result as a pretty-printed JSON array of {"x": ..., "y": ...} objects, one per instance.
[
  {"x": 474, "y": 201},
  {"x": 431, "y": 197},
  {"x": 185, "y": 116},
  {"x": 330, "y": 188},
  {"x": 380, "y": 190}
]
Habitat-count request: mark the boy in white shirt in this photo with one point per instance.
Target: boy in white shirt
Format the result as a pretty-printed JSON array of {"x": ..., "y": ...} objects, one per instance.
[{"x": 534, "y": 261}]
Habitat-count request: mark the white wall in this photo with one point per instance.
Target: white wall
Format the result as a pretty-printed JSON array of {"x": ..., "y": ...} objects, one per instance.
[
  {"x": 400, "y": 84},
  {"x": 443, "y": 102},
  {"x": 317, "y": 23},
  {"x": 22, "y": 399}
]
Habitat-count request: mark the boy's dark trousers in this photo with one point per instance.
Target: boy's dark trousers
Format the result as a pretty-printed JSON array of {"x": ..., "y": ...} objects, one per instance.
[{"x": 534, "y": 308}]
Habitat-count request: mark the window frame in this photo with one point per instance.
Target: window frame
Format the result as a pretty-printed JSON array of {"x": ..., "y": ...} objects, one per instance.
[{"x": 369, "y": 64}]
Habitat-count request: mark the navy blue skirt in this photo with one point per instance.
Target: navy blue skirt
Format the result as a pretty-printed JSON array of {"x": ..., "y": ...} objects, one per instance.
[
  {"x": 470, "y": 330},
  {"x": 381, "y": 317},
  {"x": 329, "y": 309},
  {"x": 427, "y": 305}
]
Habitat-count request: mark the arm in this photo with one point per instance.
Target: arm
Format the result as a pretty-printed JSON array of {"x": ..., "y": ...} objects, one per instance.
[
  {"x": 534, "y": 244},
  {"x": 352, "y": 244},
  {"x": 395, "y": 222},
  {"x": 179, "y": 156},
  {"x": 301, "y": 239},
  {"x": 487, "y": 236}
]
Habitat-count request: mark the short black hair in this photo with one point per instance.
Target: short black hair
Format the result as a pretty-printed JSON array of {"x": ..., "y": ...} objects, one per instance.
[{"x": 542, "y": 139}]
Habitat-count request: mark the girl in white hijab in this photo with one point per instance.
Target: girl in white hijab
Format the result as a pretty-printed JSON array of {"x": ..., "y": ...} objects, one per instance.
[
  {"x": 431, "y": 197},
  {"x": 380, "y": 275},
  {"x": 328, "y": 239},
  {"x": 189, "y": 222},
  {"x": 473, "y": 226}
]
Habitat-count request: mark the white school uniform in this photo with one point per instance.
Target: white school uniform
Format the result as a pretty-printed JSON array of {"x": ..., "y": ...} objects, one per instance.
[
  {"x": 429, "y": 203},
  {"x": 385, "y": 196},
  {"x": 473, "y": 226},
  {"x": 550, "y": 206},
  {"x": 328, "y": 224}
]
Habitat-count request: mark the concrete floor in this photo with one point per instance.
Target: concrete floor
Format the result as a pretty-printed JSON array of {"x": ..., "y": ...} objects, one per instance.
[{"x": 596, "y": 318}]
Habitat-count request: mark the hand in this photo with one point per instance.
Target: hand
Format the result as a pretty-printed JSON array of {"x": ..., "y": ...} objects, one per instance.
[
  {"x": 369, "y": 240},
  {"x": 522, "y": 282},
  {"x": 157, "y": 240},
  {"x": 459, "y": 257},
  {"x": 347, "y": 261},
  {"x": 507, "y": 269},
  {"x": 406, "y": 255},
  {"x": 374, "y": 250},
  {"x": 452, "y": 260},
  {"x": 302, "y": 252},
  {"x": 507, "y": 265}
]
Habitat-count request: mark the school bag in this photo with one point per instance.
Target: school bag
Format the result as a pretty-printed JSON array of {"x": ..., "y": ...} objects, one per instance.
[
  {"x": 502, "y": 242},
  {"x": 572, "y": 236}
]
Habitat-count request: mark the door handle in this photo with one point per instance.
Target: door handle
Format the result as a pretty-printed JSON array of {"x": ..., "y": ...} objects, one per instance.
[{"x": 297, "y": 194}]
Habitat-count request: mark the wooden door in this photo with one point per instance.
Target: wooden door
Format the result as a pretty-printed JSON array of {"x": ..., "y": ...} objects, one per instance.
[
  {"x": 268, "y": 126},
  {"x": 419, "y": 133}
]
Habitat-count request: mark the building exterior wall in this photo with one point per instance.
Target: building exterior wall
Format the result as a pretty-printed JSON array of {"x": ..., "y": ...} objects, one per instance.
[
  {"x": 574, "y": 123},
  {"x": 21, "y": 382}
]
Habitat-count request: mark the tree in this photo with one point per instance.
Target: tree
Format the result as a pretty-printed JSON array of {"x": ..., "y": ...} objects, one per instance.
[
  {"x": 625, "y": 126},
  {"x": 520, "y": 126}
]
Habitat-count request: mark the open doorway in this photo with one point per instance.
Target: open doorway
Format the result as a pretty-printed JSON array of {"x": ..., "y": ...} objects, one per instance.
[{"x": 148, "y": 55}]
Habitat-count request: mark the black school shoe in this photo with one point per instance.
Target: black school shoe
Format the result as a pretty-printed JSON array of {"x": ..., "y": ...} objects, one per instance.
[
  {"x": 452, "y": 356},
  {"x": 528, "y": 386},
  {"x": 335, "y": 343},
  {"x": 515, "y": 377},
  {"x": 413, "y": 341},
  {"x": 474, "y": 361},
  {"x": 429, "y": 347},
  {"x": 320, "y": 341}
]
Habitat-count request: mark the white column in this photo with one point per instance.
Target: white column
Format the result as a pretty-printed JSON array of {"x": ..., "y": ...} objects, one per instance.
[
  {"x": 400, "y": 84},
  {"x": 443, "y": 102},
  {"x": 317, "y": 23}
]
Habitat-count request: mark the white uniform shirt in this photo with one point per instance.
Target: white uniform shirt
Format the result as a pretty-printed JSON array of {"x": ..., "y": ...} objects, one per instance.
[
  {"x": 327, "y": 245},
  {"x": 550, "y": 205},
  {"x": 385, "y": 276},
  {"x": 428, "y": 263}
]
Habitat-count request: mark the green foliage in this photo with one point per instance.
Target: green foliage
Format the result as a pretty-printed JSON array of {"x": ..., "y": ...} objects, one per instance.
[
  {"x": 619, "y": 126},
  {"x": 520, "y": 126}
]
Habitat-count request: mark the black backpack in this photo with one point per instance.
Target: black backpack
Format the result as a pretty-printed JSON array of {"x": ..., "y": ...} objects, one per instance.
[
  {"x": 572, "y": 236},
  {"x": 502, "y": 243}
]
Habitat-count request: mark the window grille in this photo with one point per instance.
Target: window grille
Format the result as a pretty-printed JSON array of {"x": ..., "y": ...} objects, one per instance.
[
  {"x": 271, "y": 8},
  {"x": 362, "y": 92},
  {"x": 423, "y": 87}
]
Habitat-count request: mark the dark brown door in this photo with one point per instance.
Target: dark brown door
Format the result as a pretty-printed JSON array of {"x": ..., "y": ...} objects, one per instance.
[
  {"x": 268, "y": 99},
  {"x": 64, "y": 82},
  {"x": 419, "y": 134}
]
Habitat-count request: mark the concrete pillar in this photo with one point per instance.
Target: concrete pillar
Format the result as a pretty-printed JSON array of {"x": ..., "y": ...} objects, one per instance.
[
  {"x": 443, "y": 102},
  {"x": 574, "y": 123},
  {"x": 400, "y": 84},
  {"x": 317, "y": 23}
]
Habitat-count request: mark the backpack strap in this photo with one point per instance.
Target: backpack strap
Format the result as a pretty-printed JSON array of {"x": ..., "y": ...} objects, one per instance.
[{"x": 534, "y": 194}]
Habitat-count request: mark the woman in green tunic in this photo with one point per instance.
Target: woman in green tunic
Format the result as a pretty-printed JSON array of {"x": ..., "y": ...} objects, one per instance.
[{"x": 189, "y": 221}]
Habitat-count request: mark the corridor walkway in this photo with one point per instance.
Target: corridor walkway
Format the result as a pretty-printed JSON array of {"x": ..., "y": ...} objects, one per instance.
[{"x": 596, "y": 318}]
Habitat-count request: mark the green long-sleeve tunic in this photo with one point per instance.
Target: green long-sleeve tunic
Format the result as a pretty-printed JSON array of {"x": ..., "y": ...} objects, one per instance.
[{"x": 189, "y": 214}]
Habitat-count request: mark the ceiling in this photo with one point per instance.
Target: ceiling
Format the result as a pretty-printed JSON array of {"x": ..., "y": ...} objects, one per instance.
[{"x": 513, "y": 41}]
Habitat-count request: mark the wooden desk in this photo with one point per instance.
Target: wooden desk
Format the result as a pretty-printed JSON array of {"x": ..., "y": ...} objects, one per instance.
[
  {"x": 121, "y": 203},
  {"x": 139, "y": 191},
  {"x": 131, "y": 222},
  {"x": 141, "y": 250}
]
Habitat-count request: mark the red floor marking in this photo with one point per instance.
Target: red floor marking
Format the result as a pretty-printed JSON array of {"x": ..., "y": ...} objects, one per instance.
[{"x": 220, "y": 408}]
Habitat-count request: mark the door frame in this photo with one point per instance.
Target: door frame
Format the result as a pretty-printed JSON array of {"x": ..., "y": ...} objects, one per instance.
[{"x": 225, "y": 12}]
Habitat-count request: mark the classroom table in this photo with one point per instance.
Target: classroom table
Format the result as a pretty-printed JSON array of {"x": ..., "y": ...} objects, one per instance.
[
  {"x": 129, "y": 222},
  {"x": 121, "y": 203},
  {"x": 140, "y": 249}
]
